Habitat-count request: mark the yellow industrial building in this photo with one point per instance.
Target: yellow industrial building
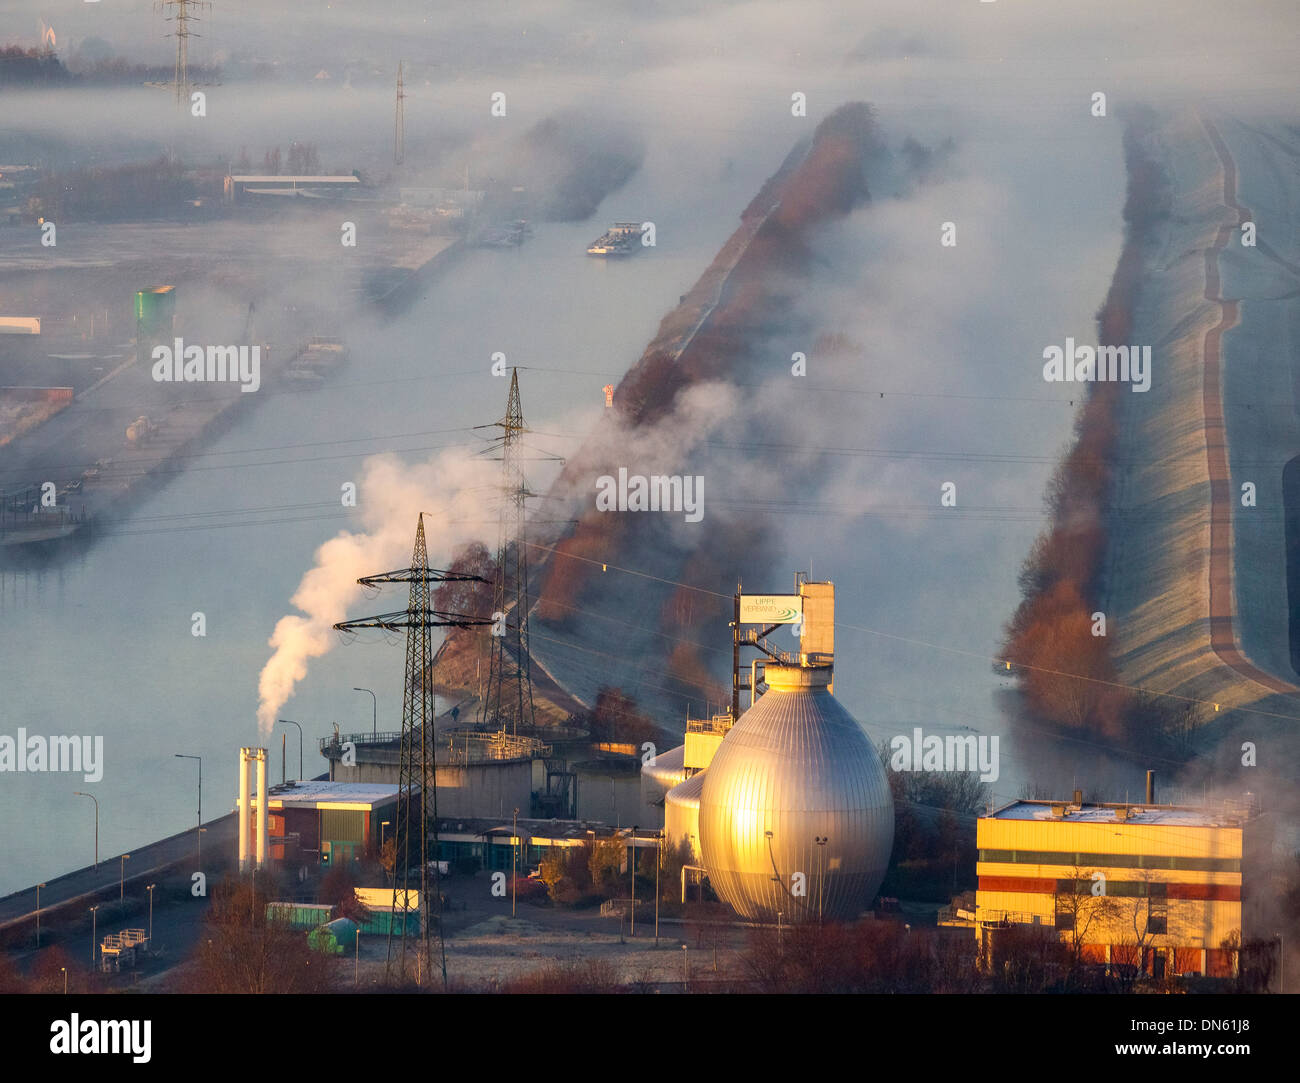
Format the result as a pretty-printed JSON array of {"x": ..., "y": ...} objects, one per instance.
[{"x": 1155, "y": 887}]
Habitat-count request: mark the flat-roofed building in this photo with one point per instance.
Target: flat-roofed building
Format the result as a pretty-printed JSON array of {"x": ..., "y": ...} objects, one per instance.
[
  {"x": 1160, "y": 888},
  {"x": 332, "y": 823},
  {"x": 274, "y": 184}
]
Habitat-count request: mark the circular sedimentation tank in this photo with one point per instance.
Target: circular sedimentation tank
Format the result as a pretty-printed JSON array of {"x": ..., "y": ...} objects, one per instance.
[{"x": 796, "y": 767}]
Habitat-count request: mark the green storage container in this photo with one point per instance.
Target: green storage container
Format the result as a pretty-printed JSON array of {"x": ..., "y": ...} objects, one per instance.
[
  {"x": 382, "y": 921},
  {"x": 299, "y": 915}
]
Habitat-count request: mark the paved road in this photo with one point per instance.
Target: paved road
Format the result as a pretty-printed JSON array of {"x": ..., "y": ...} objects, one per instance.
[
  {"x": 1223, "y": 638},
  {"x": 218, "y": 838}
]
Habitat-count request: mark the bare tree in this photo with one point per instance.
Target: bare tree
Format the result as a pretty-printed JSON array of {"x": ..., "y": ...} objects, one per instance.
[
  {"x": 1084, "y": 908},
  {"x": 241, "y": 950}
]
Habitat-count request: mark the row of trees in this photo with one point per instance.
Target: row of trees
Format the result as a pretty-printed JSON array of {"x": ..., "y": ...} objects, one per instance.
[
  {"x": 303, "y": 160},
  {"x": 934, "y": 831},
  {"x": 615, "y": 717},
  {"x": 136, "y": 190},
  {"x": 589, "y": 874},
  {"x": 1067, "y": 675}
]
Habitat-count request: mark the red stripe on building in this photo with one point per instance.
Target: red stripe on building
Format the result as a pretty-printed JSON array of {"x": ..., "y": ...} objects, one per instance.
[
  {"x": 1212, "y": 892},
  {"x": 1039, "y": 886},
  {"x": 1029, "y": 884}
]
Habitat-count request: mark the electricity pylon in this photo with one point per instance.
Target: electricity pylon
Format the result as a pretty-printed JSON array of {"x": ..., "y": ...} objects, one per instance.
[
  {"x": 508, "y": 702},
  {"x": 183, "y": 33},
  {"x": 417, "y": 787}
]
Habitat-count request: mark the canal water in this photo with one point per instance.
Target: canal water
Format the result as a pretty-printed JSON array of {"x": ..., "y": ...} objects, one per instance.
[{"x": 101, "y": 644}]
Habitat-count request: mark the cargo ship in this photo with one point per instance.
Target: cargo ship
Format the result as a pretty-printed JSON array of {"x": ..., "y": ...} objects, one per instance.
[
  {"x": 621, "y": 239},
  {"x": 510, "y": 236}
]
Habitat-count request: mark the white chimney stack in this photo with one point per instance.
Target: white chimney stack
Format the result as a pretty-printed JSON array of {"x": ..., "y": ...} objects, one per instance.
[
  {"x": 263, "y": 800},
  {"x": 244, "y": 809}
]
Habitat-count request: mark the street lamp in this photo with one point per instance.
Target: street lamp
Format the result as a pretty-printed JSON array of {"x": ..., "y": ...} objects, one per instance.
[
  {"x": 65, "y": 979},
  {"x": 183, "y": 756},
  {"x": 78, "y": 793},
  {"x": 291, "y": 722},
  {"x": 38, "y": 916},
  {"x": 659, "y": 849},
  {"x": 121, "y": 884},
  {"x": 374, "y": 711},
  {"x": 633, "y": 864},
  {"x": 514, "y": 863},
  {"x": 821, "y": 841},
  {"x": 150, "y": 890},
  {"x": 94, "y": 932}
]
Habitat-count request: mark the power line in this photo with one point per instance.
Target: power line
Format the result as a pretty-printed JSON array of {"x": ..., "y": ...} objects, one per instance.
[{"x": 988, "y": 659}]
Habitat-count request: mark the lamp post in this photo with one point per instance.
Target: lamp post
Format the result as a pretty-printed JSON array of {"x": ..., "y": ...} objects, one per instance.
[
  {"x": 632, "y": 863},
  {"x": 94, "y": 933},
  {"x": 150, "y": 890},
  {"x": 514, "y": 863},
  {"x": 199, "y": 835},
  {"x": 821, "y": 841},
  {"x": 65, "y": 979},
  {"x": 78, "y": 793},
  {"x": 659, "y": 847},
  {"x": 38, "y": 916},
  {"x": 291, "y": 722},
  {"x": 121, "y": 883},
  {"x": 374, "y": 711}
]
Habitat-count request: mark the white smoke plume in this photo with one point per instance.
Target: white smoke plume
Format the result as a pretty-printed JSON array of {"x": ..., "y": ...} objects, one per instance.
[{"x": 458, "y": 494}]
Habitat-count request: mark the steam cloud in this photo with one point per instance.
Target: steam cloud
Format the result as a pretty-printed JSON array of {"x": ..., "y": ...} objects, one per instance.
[{"x": 455, "y": 490}]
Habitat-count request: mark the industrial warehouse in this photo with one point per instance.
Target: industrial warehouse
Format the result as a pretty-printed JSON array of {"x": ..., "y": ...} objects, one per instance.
[{"x": 1158, "y": 888}]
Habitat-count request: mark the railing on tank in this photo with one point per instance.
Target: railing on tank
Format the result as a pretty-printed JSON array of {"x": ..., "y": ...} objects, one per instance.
[
  {"x": 719, "y": 723},
  {"x": 476, "y": 746},
  {"x": 332, "y": 746}
]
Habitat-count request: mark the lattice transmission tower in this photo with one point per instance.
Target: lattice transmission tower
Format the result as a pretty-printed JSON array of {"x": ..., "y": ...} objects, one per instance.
[
  {"x": 508, "y": 700},
  {"x": 399, "y": 135},
  {"x": 416, "y": 830},
  {"x": 184, "y": 15}
]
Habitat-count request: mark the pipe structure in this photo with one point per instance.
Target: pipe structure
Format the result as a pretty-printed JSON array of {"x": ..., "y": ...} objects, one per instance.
[
  {"x": 262, "y": 803},
  {"x": 244, "y": 809}
]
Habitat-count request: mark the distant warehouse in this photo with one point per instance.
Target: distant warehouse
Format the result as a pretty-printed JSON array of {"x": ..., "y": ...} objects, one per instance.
[{"x": 237, "y": 186}]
